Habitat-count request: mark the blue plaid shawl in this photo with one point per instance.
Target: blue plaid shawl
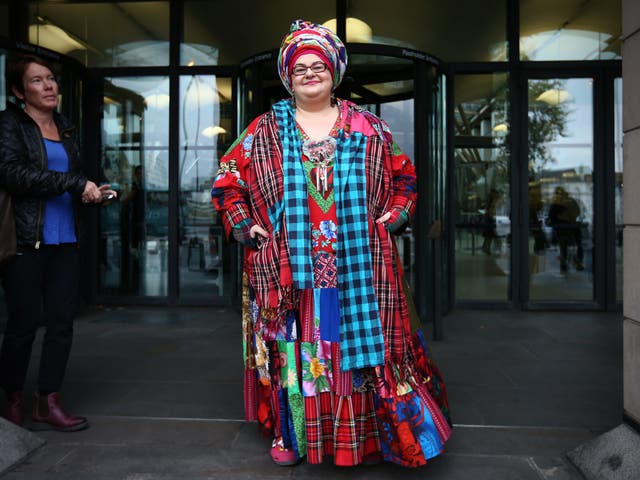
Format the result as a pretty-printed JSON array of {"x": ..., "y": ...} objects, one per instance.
[{"x": 361, "y": 339}]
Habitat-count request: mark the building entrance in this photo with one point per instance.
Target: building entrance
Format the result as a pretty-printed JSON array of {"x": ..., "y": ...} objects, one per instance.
[{"x": 538, "y": 189}]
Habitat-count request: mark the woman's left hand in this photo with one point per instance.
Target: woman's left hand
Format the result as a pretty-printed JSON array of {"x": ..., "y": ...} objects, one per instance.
[
  {"x": 107, "y": 193},
  {"x": 384, "y": 218},
  {"x": 394, "y": 219}
]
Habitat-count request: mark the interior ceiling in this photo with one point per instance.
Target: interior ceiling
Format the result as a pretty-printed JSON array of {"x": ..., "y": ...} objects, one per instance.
[{"x": 450, "y": 30}]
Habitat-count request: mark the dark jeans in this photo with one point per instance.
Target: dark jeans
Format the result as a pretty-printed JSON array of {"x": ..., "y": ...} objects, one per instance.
[{"x": 39, "y": 284}]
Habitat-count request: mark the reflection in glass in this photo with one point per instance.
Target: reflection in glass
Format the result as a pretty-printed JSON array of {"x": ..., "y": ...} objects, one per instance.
[
  {"x": 439, "y": 28},
  {"x": 483, "y": 213},
  {"x": 134, "y": 229},
  {"x": 4, "y": 18},
  {"x": 618, "y": 187},
  {"x": 400, "y": 118},
  {"x": 560, "y": 154},
  {"x": 3, "y": 86},
  {"x": 483, "y": 224},
  {"x": 103, "y": 34},
  {"x": 206, "y": 116},
  {"x": 225, "y": 33},
  {"x": 570, "y": 29}
]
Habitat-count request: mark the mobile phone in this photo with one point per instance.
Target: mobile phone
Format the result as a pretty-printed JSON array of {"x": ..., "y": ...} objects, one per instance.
[{"x": 107, "y": 196}]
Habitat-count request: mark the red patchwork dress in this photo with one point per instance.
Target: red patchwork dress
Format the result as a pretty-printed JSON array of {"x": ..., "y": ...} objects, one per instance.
[{"x": 294, "y": 386}]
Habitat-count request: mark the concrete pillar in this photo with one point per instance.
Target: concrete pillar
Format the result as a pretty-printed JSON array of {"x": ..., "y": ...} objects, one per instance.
[
  {"x": 631, "y": 249},
  {"x": 616, "y": 454}
]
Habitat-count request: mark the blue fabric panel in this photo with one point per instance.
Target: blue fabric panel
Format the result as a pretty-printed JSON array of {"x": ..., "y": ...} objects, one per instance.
[{"x": 329, "y": 314}]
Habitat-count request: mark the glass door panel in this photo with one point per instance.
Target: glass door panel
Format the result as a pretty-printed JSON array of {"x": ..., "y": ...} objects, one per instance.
[
  {"x": 206, "y": 117},
  {"x": 483, "y": 224},
  {"x": 134, "y": 229},
  {"x": 561, "y": 197},
  {"x": 482, "y": 168},
  {"x": 618, "y": 185}
]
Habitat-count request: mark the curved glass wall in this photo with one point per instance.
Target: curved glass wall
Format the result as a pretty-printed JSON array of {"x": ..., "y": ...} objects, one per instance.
[
  {"x": 225, "y": 33},
  {"x": 464, "y": 30},
  {"x": 570, "y": 30},
  {"x": 103, "y": 34}
]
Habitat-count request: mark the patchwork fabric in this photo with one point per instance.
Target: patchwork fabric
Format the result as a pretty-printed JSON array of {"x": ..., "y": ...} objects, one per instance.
[
  {"x": 342, "y": 427},
  {"x": 325, "y": 271},
  {"x": 295, "y": 383},
  {"x": 328, "y": 300},
  {"x": 361, "y": 338},
  {"x": 316, "y": 367},
  {"x": 407, "y": 432}
]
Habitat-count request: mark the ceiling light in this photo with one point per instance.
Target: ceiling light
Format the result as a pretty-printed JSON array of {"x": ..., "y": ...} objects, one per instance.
[
  {"x": 554, "y": 96},
  {"x": 213, "y": 130},
  {"x": 157, "y": 100},
  {"x": 357, "y": 30},
  {"x": 53, "y": 38}
]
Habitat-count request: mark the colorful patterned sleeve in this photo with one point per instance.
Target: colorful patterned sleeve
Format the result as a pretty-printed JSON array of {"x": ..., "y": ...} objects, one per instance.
[
  {"x": 230, "y": 192},
  {"x": 403, "y": 200}
]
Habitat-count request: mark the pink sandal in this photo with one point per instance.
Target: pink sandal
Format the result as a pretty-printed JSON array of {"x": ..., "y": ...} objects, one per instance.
[{"x": 283, "y": 456}]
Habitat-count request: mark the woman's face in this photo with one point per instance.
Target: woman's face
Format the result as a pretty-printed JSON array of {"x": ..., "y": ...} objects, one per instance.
[
  {"x": 312, "y": 86},
  {"x": 40, "y": 88}
]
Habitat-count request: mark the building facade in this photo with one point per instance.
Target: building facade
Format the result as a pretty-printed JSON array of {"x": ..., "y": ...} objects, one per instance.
[{"x": 511, "y": 110}]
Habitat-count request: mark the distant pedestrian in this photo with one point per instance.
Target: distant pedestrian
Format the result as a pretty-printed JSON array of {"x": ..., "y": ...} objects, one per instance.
[{"x": 564, "y": 214}]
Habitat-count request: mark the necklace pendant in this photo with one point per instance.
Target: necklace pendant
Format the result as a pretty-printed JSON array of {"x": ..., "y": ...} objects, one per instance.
[{"x": 322, "y": 177}]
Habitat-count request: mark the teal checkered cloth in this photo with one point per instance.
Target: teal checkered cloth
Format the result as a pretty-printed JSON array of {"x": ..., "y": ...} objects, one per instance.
[{"x": 361, "y": 339}]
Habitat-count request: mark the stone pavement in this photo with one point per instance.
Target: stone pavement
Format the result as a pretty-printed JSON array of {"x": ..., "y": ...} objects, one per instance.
[{"x": 163, "y": 390}]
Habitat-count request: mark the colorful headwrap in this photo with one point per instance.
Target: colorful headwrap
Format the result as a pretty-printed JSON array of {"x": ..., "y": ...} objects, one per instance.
[{"x": 316, "y": 39}]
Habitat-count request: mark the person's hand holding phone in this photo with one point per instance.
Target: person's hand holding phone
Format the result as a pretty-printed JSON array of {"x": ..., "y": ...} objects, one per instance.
[{"x": 107, "y": 193}]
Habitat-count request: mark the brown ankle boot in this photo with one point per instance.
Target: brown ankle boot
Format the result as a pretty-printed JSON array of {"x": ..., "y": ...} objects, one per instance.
[
  {"x": 13, "y": 412},
  {"x": 49, "y": 415}
]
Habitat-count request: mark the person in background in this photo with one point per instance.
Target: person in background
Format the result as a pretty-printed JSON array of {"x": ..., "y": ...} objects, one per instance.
[
  {"x": 40, "y": 167},
  {"x": 494, "y": 200},
  {"x": 315, "y": 189},
  {"x": 563, "y": 216}
]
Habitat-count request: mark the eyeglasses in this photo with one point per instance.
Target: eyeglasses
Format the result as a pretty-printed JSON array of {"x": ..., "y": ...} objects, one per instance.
[{"x": 317, "y": 67}]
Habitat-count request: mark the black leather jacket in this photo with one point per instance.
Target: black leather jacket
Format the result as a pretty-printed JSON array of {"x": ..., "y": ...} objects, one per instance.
[{"x": 24, "y": 173}]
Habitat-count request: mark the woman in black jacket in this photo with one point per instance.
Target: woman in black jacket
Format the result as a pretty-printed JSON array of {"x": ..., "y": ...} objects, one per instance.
[{"x": 40, "y": 167}]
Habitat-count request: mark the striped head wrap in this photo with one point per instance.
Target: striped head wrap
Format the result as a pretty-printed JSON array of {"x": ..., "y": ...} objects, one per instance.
[{"x": 307, "y": 37}]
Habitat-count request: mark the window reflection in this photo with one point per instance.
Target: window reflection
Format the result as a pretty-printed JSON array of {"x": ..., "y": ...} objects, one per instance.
[
  {"x": 4, "y": 18},
  {"x": 483, "y": 212},
  {"x": 439, "y": 28},
  {"x": 619, "y": 183},
  {"x": 134, "y": 230},
  {"x": 560, "y": 152},
  {"x": 570, "y": 29},
  {"x": 103, "y": 34},
  {"x": 225, "y": 33},
  {"x": 205, "y": 134}
]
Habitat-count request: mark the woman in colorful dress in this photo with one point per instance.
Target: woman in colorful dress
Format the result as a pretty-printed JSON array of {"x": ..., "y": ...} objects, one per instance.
[{"x": 315, "y": 189}]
